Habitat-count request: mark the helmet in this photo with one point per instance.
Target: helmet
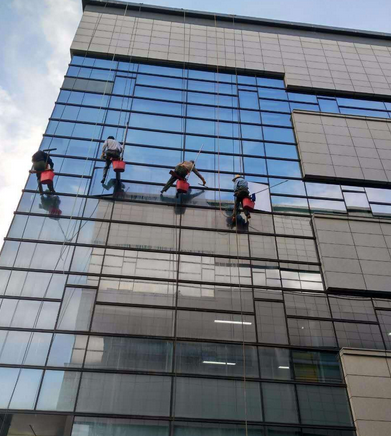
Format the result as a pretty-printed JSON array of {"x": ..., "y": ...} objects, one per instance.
[{"x": 238, "y": 176}]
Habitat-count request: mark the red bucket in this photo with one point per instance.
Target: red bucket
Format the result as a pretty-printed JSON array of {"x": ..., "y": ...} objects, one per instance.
[
  {"x": 248, "y": 204},
  {"x": 46, "y": 177},
  {"x": 182, "y": 186},
  {"x": 118, "y": 166}
]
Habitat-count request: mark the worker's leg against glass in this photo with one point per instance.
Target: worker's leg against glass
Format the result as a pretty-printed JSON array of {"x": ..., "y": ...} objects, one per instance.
[
  {"x": 168, "y": 185},
  {"x": 236, "y": 207},
  {"x": 40, "y": 189},
  {"x": 106, "y": 169}
]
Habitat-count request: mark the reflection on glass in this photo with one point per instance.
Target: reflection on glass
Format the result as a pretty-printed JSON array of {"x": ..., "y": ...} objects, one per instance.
[
  {"x": 280, "y": 403},
  {"x": 67, "y": 351},
  {"x": 128, "y": 354},
  {"x": 275, "y": 363},
  {"x": 114, "y": 426},
  {"x": 217, "y": 399},
  {"x": 316, "y": 366},
  {"x": 216, "y": 359},
  {"x": 58, "y": 391}
]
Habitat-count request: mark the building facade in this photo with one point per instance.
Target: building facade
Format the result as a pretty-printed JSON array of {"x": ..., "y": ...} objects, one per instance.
[{"x": 128, "y": 312}]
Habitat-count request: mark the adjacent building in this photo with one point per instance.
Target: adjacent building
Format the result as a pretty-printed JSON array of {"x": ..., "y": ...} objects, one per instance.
[{"x": 128, "y": 312}]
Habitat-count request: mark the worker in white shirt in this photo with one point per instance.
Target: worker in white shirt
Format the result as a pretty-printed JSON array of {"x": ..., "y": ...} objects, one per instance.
[{"x": 111, "y": 150}]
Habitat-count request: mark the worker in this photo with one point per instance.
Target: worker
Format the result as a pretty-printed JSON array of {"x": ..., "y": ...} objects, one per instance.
[
  {"x": 240, "y": 193},
  {"x": 111, "y": 150},
  {"x": 41, "y": 162},
  {"x": 181, "y": 171}
]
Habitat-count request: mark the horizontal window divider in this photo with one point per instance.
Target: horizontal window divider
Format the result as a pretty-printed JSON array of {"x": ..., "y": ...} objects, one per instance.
[
  {"x": 318, "y": 318},
  {"x": 89, "y": 78},
  {"x": 173, "y": 307},
  {"x": 22, "y": 297}
]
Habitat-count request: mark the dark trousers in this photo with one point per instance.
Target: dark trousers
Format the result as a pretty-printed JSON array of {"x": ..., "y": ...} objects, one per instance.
[
  {"x": 109, "y": 155},
  {"x": 240, "y": 195},
  {"x": 181, "y": 171}
]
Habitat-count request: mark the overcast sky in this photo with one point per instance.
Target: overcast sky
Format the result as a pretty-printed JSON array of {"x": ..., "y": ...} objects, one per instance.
[{"x": 35, "y": 37}]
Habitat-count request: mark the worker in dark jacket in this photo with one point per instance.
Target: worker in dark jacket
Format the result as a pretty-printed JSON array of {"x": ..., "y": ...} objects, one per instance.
[
  {"x": 240, "y": 193},
  {"x": 181, "y": 172},
  {"x": 41, "y": 162},
  {"x": 111, "y": 150}
]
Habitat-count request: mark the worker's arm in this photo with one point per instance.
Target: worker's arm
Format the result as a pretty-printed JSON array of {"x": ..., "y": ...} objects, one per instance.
[{"x": 199, "y": 175}]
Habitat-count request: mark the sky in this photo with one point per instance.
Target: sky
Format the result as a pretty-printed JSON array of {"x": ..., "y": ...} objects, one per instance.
[{"x": 34, "y": 53}]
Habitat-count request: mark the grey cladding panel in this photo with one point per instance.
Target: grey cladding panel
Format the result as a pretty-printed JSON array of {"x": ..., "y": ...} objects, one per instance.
[
  {"x": 343, "y": 147},
  {"x": 354, "y": 253},
  {"x": 306, "y": 62}
]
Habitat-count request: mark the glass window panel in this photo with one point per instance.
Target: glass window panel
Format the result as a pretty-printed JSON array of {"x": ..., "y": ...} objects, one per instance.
[
  {"x": 274, "y": 106},
  {"x": 217, "y": 399},
  {"x": 128, "y": 354},
  {"x": 8, "y": 379},
  {"x": 165, "y": 82},
  {"x": 24, "y": 348},
  {"x": 297, "y": 250},
  {"x": 324, "y": 190},
  {"x": 385, "y": 326},
  {"x": 216, "y": 359},
  {"x": 248, "y": 100},
  {"x": 198, "y": 241},
  {"x": 265, "y": 273},
  {"x": 113, "y": 426},
  {"x": 87, "y": 259},
  {"x": 156, "y": 122},
  {"x": 358, "y": 309},
  {"x": 327, "y": 105},
  {"x": 26, "y": 389},
  {"x": 162, "y": 94},
  {"x": 304, "y": 106},
  {"x": 363, "y": 112},
  {"x": 271, "y": 324},
  {"x": 379, "y": 209},
  {"x": 76, "y": 309},
  {"x": 250, "y": 117},
  {"x": 254, "y": 165},
  {"x": 275, "y": 363},
  {"x": 36, "y": 424},
  {"x": 327, "y": 206},
  {"x": 272, "y": 83},
  {"x": 379, "y": 195},
  {"x": 323, "y": 405},
  {"x": 159, "y": 107},
  {"x": 67, "y": 351},
  {"x": 128, "y": 291},
  {"x": 316, "y": 366},
  {"x": 355, "y": 200},
  {"x": 276, "y": 119},
  {"x": 58, "y": 391},
  {"x": 151, "y": 238},
  {"x": 307, "y": 304},
  {"x": 123, "y": 86},
  {"x": 313, "y": 333},
  {"x": 33, "y": 284},
  {"x": 124, "y": 394},
  {"x": 307, "y": 98},
  {"x": 359, "y": 335},
  {"x": 275, "y": 94},
  {"x": 366, "y": 104},
  {"x": 28, "y": 314},
  {"x": 202, "y": 429},
  {"x": 280, "y": 403},
  {"x": 215, "y": 297},
  {"x": 214, "y": 325},
  {"x": 251, "y": 132},
  {"x": 144, "y": 264},
  {"x": 253, "y": 148},
  {"x": 290, "y": 187},
  {"x": 214, "y": 269},
  {"x": 143, "y": 137},
  {"x": 277, "y": 134},
  {"x": 298, "y": 226},
  {"x": 133, "y": 320}
]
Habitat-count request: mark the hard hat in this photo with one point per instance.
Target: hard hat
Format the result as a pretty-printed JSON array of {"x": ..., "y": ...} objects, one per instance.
[{"x": 238, "y": 176}]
